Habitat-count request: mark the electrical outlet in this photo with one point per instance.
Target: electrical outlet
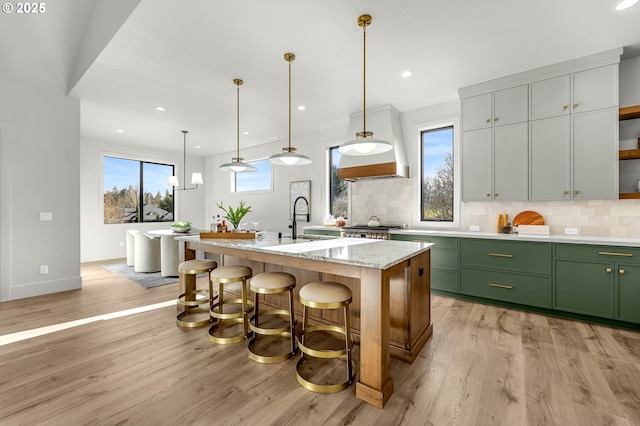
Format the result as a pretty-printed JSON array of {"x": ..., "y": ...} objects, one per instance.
[
  {"x": 44, "y": 269},
  {"x": 474, "y": 228},
  {"x": 571, "y": 231},
  {"x": 46, "y": 216}
]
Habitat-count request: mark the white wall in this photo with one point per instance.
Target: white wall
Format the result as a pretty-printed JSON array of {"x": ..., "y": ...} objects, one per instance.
[
  {"x": 100, "y": 241},
  {"x": 272, "y": 207},
  {"x": 40, "y": 138}
]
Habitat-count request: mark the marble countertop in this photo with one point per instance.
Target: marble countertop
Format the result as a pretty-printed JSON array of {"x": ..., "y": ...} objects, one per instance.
[
  {"x": 569, "y": 239},
  {"x": 379, "y": 254}
]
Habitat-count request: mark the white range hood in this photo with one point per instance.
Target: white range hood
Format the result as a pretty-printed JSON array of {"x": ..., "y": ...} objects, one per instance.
[{"x": 384, "y": 122}]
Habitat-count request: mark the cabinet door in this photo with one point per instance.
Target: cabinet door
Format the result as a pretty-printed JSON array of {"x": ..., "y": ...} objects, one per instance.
[
  {"x": 628, "y": 292},
  {"x": 549, "y": 162},
  {"x": 595, "y": 155},
  {"x": 511, "y": 106},
  {"x": 510, "y": 162},
  {"x": 584, "y": 287},
  {"x": 476, "y": 165},
  {"x": 595, "y": 89},
  {"x": 550, "y": 98},
  {"x": 476, "y": 112}
]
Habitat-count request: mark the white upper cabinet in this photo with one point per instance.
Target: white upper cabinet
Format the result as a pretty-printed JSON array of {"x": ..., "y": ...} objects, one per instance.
[
  {"x": 498, "y": 108},
  {"x": 570, "y": 94}
]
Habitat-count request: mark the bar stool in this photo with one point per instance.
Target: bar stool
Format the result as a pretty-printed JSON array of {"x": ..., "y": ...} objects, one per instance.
[
  {"x": 227, "y": 275},
  {"x": 192, "y": 298},
  {"x": 325, "y": 295},
  {"x": 272, "y": 283}
]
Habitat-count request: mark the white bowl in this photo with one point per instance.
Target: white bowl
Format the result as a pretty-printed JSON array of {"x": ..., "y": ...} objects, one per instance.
[{"x": 180, "y": 230}]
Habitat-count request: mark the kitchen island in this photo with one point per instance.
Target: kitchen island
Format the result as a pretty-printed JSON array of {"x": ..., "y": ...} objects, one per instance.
[{"x": 389, "y": 281}]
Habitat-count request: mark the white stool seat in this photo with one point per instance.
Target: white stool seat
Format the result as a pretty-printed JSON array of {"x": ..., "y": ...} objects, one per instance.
[
  {"x": 231, "y": 273},
  {"x": 196, "y": 266},
  {"x": 331, "y": 294},
  {"x": 269, "y": 281}
]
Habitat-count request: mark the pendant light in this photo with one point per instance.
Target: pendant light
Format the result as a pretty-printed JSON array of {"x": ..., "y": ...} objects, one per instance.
[
  {"x": 364, "y": 143},
  {"x": 237, "y": 164},
  {"x": 289, "y": 156},
  {"x": 196, "y": 178}
]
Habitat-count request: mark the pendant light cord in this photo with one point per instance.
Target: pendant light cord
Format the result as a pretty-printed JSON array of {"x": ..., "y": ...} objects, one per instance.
[
  {"x": 364, "y": 79},
  {"x": 238, "y": 123},
  {"x": 290, "y": 60},
  {"x": 184, "y": 158}
]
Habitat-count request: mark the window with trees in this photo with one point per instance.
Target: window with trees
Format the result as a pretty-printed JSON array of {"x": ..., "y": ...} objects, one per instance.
[
  {"x": 437, "y": 178},
  {"x": 260, "y": 180},
  {"x": 338, "y": 188},
  {"x": 136, "y": 191}
]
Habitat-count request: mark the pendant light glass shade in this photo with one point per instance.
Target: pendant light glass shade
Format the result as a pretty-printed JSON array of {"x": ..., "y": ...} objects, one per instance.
[
  {"x": 289, "y": 156},
  {"x": 237, "y": 164},
  {"x": 364, "y": 143},
  {"x": 196, "y": 178}
]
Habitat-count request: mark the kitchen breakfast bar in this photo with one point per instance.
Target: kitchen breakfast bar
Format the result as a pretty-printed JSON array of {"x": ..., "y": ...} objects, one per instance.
[{"x": 389, "y": 281}]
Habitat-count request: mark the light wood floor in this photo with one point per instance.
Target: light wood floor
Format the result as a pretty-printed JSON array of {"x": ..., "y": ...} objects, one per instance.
[{"x": 484, "y": 365}]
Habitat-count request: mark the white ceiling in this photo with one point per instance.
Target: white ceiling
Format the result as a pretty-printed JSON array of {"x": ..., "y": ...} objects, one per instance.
[{"x": 184, "y": 56}]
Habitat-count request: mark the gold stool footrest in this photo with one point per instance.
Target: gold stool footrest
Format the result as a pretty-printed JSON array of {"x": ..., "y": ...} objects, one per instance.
[
  {"x": 270, "y": 331},
  {"x": 198, "y": 301},
  {"x": 214, "y": 311},
  {"x": 222, "y": 324},
  {"x": 182, "y": 322},
  {"x": 269, "y": 359},
  {"x": 314, "y": 387},
  {"x": 326, "y": 353}
]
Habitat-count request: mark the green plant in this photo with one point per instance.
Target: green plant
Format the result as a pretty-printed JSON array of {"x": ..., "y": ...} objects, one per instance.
[
  {"x": 234, "y": 216},
  {"x": 182, "y": 224}
]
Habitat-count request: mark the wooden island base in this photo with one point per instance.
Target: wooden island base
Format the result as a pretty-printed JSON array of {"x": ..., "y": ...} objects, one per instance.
[{"x": 390, "y": 309}]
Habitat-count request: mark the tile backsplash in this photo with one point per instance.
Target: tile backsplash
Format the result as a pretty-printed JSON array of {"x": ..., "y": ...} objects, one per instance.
[{"x": 392, "y": 201}]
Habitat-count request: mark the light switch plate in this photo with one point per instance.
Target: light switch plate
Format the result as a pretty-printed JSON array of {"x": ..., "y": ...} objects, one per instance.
[
  {"x": 46, "y": 216},
  {"x": 474, "y": 228},
  {"x": 571, "y": 231}
]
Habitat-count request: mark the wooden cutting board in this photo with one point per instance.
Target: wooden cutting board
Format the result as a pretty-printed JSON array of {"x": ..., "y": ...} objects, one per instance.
[{"x": 528, "y": 217}]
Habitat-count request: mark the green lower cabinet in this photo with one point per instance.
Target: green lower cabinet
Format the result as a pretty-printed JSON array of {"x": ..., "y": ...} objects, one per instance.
[
  {"x": 585, "y": 287},
  {"x": 506, "y": 286},
  {"x": 628, "y": 292},
  {"x": 444, "y": 280}
]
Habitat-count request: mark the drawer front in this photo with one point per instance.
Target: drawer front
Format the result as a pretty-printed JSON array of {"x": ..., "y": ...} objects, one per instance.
[
  {"x": 518, "y": 256},
  {"x": 440, "y": 242},
  {"x": 508, "y": 287},
  {"x": 327, "y": 232},
  {"x": 598, "y": 253},
  {"x": 444, "y": 280},
  {"x": 447, "y": 259}
]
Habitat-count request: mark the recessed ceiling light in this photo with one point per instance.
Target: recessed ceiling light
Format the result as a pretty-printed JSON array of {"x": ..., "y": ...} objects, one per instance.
[
  {"x": 275, "y": 138},
  {"x": 406, "y": 74},
  {"x": 625, "y": 4},
  {"x": 302, "y": 107},
  {"x": 160, "y": 108},
  {"x": 119, "y": 131},
  {"x": 245, "y": 133},
  {"x": 198, "y": 147}
]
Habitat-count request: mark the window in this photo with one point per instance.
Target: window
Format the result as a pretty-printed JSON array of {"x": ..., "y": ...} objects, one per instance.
[
  {"x": 437, "y": 180},
  {"x": 129, "y": 184},
  {"x": 260, "y": 180},
  {"x": 338, "y": 188}
]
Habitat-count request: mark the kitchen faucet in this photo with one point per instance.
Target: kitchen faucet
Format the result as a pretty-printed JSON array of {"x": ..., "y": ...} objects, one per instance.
[{"x": 293, "y": 226}]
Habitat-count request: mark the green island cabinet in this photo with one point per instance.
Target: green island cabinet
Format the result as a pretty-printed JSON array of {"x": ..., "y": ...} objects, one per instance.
[
  {"x": 510, "y": 271},
  {"x": 602, "y": 281},
  {"x": 444, "y": 260}
]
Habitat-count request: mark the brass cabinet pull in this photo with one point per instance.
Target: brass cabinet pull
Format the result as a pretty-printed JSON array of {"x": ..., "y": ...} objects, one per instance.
[
  {"x": 621, "y": 271},
  {"x": 496, "y": 194},
  {"x": 564, "y": 107},
  {"x": 608, "y": 269},
  {"x": 576, "y": 192},
  {"x": 488, "y": 120},
  {"x": 565, "y": 192},
  {"x": 500, "y": 255},
  {"x": 495, "y": 119},
  {"x": 487, "y": 195},
  {"x": 500, "y": 286},
  {"x": 575, "y": 106},
  {"x": 610, "y": 253}
]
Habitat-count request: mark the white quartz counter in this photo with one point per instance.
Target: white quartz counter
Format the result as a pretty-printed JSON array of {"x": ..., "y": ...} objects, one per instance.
[
  {"x": 379, "y": 254},
  {"x": 570, "y": 239}
]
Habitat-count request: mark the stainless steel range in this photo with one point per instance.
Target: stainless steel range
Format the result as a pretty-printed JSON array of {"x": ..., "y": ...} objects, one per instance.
[{"x": 364, "y": 231}]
